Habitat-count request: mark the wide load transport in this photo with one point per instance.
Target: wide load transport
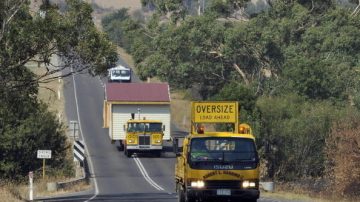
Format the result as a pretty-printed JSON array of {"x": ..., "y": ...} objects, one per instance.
[
  {"x": 138, "y": 116},
  {"x": 217, "y": 165}
]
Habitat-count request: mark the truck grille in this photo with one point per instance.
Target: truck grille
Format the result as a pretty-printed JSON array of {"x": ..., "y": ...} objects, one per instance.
[
  {"x": 223, "y": 184},
  {"x": 144, "y": 140}
]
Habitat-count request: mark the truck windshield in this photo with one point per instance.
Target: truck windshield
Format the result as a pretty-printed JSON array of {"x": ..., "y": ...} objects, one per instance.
[
  {"x": 223, "y": 150},
  {"x": 144, "y": 127},
  {"x": 117, "y": 73}
]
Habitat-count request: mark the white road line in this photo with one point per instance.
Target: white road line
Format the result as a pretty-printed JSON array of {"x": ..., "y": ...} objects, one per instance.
[
  {"x": 146, "y": 175},
  {"x": 81, "y": 133}
]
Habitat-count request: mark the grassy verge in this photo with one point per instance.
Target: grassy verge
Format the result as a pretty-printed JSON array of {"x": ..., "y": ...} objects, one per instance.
[
  {"x": 7, "y": 193},
  {"x": 283, "y": 195},
  {"x": 50, "y": 93}
]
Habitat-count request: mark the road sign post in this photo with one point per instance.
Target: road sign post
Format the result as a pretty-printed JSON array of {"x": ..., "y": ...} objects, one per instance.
[
  {"x": 43, "y": 168},
  {"x": 74, "y": 124},
  {"x": 31, "y": 175},
  {"x": 44, "y": 154}
]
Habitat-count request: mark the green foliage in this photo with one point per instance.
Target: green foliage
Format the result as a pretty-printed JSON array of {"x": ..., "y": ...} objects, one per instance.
[
  {"x": 112, "y": 27},
  {"x": 237, "y": 92},
  {"x": 293, "y": 133},
  {"x": 225, "y": 8},
  {"x": 173, "y": 9},
  {"x": 20, "y": 140},
  {"x": 26, "y": 125}
]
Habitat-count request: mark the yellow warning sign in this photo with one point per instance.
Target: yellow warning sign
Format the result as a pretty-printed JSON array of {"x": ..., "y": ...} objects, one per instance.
[{"x": 215, "y": 112}]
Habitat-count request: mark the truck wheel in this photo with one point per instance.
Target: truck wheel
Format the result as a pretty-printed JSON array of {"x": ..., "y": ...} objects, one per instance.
[
  {"x": 188, "y": 198},
  {"x": 127, "y": 153},
  {"x": 121, "y": 148},
  {"x": 181, "y": 197}
]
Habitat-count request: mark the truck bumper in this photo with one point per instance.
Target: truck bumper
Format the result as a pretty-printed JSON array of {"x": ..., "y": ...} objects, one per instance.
[
  {"x": 219, "y": 193},
  {"x": 143, "y": 147}
]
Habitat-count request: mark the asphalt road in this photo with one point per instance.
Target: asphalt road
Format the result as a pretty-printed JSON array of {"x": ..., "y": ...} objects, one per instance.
[{"x": 114, "y": 176}]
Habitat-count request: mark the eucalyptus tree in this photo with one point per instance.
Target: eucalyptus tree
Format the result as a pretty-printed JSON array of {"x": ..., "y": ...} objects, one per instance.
[{"x": 29, "y": 34}]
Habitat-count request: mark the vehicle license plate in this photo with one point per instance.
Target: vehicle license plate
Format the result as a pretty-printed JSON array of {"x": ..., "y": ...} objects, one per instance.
[{"x": 223, "y": 192}]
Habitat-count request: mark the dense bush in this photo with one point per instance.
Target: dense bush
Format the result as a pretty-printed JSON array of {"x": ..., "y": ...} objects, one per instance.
[{"x": 293, "y": 133}]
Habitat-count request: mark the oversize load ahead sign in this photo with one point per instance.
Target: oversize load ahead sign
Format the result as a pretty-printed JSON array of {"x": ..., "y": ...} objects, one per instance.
[{"x": 215, "y": 112}]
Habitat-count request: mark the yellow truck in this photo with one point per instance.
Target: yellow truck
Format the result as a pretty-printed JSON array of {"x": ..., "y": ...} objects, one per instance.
[
  {"x": 217, "y": 165},
  {"x": 143, "y": 136}
]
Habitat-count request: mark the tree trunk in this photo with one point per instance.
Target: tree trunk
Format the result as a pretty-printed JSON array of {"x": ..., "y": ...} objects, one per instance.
[{"x": 242, "y": 74}]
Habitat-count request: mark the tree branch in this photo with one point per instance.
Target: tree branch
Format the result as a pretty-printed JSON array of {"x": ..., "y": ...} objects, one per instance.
[
  {"x": 356, "y": 10},
  {"x": 8, "y": 17},
  {"x": 242, "y": 74}
]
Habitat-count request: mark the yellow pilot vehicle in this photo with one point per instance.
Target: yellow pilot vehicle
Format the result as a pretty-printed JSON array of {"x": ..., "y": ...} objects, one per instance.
[
  {"x": 143, "y": 136},
  {"x": 217, "y": 165}
]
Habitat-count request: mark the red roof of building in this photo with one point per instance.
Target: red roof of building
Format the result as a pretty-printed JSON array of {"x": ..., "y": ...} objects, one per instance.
[{"x": 138, "y": 92}]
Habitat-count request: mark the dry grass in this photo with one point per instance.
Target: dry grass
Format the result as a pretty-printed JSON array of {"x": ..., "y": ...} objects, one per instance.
[
  {"x": 132, "y": 5},
  {"x": 126, "y": 57},
  {"x": 51, "y": 92},
  {"x": 180, "y": 110},
  {"x": 7, "y": 195},
  {"x": 13, "y": 192},
  {"x": 41, "y": 188},
  {"x": 291, "y": 196},
  {"x": 342, "y": 149}
]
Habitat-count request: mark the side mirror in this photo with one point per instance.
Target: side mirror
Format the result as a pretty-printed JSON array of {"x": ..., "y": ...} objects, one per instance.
[
  {"x": 124, "y": 127},
  {"x": 163, "y": 127},
  {"x": 177, "y": 149}
]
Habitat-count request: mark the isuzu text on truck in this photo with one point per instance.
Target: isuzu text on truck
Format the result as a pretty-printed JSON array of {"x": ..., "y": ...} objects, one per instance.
[{"x": 217, "y": 165}]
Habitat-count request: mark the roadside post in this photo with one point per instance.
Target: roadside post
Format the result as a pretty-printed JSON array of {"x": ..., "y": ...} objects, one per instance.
[
  {"x": 44, "y": 154},
  {"x": 74, "y": 128},
  {"x": 31, "y": 177}
]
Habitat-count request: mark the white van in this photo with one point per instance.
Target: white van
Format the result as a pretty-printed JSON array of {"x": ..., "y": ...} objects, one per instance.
[{"x": 119, "y": 74}]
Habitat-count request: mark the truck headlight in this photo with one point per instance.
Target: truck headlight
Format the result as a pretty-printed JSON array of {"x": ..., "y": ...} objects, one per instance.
[
  {"x": 198, "y": 184},
  {"x": 130, "y": 141},
  {"x": 248, "y": 184},
  {"x": 158, "y": 141}
]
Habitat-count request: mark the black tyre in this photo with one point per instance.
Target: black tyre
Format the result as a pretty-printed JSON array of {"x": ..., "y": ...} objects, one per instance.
[
  {"x": 158, "y": 153},
  {"x": 127, "y": 153},
  {"x": 189, "y": 198},
  {"x": 121, "y": 147}
]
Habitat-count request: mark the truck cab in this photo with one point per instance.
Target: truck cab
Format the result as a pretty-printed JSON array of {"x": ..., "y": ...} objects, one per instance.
[
  {"x": 143, "y": 136},
  {"x": 119, "y": 74},
  {"x": 217, "y": 165}
]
